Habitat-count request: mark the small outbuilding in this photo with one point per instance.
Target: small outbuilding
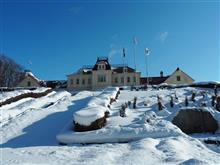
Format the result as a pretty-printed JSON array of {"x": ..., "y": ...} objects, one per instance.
[
  {"x": 30, "y": 80},
  {"x": 177, "y": 77}
]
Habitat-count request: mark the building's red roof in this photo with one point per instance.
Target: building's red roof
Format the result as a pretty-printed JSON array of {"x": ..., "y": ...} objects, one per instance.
[
  {"x": 153, "y": 80},
  {"x": 120, "y": 70}
]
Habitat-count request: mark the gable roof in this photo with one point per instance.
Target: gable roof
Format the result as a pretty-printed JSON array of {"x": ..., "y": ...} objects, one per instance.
[
  {"x": 153, "y": 80},
  {"x": 179, "y": 70},
  {"x": 29, "y": 74}
]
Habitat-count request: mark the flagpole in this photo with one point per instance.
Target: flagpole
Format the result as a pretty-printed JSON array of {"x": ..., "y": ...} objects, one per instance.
[
  {"x": 135, "y": 43},
  {"x": 124, "y": 66},
  {"x": 147, "y": 54}
]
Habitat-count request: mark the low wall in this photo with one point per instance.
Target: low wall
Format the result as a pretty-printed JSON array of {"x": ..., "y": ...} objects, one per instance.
[
  {"x": 25, "y": 95},
  {"x": 99, "y": 123}
]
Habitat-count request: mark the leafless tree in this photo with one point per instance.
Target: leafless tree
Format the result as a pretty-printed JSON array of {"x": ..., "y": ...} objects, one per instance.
[{"x": 10, "y": 72}]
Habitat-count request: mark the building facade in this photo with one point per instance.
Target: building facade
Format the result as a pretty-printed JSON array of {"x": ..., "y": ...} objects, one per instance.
[
  {"x": 177, "y": 77},
  {"x": 101, "y": 75}
]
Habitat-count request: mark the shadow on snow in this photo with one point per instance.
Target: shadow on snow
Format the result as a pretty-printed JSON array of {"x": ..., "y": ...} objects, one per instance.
[{"x": 44, "y": 131}]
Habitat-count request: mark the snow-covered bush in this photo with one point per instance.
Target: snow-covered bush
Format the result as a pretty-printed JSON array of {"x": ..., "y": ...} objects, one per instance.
[
  {"x": 122, "y": 110},
  {"x": 129, "y": 103},
  {"x": 171, "y": 102},
  {"x": 176, "y": 97},
  {"x": 213, "y": 100},
  {"x": 193, "y": 96},
  {"x": 117, "y": 94},
  {"x": 160, "y": 105},
  {"x": 134, "y": 103},
  {"x": 218, "y": 104},
  {"x": 215, "y": 90},
  {"x": 186, "y": 101}
]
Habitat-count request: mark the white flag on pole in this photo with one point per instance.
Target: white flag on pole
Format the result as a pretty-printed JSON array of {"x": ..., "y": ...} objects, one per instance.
[
  {"x": 135, "y": 41},
  {"x": 147, "y": 51}
]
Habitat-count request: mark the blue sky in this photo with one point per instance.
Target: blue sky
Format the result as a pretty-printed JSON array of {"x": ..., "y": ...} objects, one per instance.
[{"x": 55, "y": 38}]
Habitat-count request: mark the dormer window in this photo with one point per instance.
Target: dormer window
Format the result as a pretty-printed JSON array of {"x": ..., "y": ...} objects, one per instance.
[{"x": 101, "y": 66}]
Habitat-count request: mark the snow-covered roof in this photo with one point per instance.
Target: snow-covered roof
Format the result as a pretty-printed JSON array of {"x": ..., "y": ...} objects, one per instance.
[
  {"x": 32, "y": 75},
  {"x": 207, "y": 82}
]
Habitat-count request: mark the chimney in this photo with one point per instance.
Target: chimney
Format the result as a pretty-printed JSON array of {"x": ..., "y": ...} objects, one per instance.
[
  {"x": 27, "y": 70},
  {"x": 161, "y": 73}
]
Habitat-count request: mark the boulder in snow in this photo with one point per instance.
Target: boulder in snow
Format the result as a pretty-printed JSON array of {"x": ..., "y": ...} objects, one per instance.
[{"x": 192, "y": 120}]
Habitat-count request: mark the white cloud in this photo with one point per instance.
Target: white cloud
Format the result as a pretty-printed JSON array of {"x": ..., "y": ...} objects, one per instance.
[
  {"x": 163, "y": 36},
  {"x": 113, "y": 52}
]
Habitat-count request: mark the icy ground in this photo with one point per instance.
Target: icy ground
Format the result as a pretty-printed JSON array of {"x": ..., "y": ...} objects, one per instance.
[{"x": 29, "y": 136}]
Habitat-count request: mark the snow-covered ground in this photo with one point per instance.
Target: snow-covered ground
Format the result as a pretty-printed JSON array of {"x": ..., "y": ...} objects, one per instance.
[{"x": 29, "y": 137}]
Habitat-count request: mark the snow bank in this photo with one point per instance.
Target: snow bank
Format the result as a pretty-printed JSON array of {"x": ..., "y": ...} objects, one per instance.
[
  {"x": 95, "y": 108},
  {"x": 110, "y": 134}
]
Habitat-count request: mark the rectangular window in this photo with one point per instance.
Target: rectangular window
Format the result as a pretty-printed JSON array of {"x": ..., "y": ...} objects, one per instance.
[
  {"x": 101, "y": 78},
  {"x": 89, "y": 81},
  {"x": 28, "y": 83},
  {"x": 134, "y": 79},
  {"x": 122, "y": 79},
  {"x": 116, "y": 80},
  {"x": 77, "y": 81},
  {"x": 83, "y": 81},
  {"x": 71, "y": 81},
  {"x": 128, "y": 79},
  {"x": 178, "y": 78},
  {"x": 101, "y": 66}
]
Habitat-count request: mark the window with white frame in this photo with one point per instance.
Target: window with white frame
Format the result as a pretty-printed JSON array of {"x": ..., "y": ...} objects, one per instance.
[
  {"x": 77, "y": 81},
  {"x": 122, "y": 79},
  {"x": 89, "y": 81},
  {"x": 71, "y": 81},
  {"x": 101, "y": 66},
  {"x": 128, "y": 79},
  {"x": 101, "y": 78},
  {"x": 83, "y": 81}
]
